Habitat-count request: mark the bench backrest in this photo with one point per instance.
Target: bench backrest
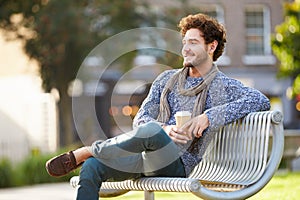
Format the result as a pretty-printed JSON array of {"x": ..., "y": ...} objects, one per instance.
[{"x": 238, "y": 153}]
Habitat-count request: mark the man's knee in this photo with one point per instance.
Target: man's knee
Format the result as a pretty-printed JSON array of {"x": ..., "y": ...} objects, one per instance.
[{"x": 150, "y": 129}]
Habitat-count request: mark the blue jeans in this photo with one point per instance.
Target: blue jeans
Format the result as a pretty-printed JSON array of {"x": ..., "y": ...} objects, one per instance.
[{"x": 145, "y": 151}]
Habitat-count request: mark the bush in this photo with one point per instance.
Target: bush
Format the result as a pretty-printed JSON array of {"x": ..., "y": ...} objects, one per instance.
[
  {"x": 33, "y": 171},
  {"x": 30, "y": 171},
  {"x": 6, "y": 173}
]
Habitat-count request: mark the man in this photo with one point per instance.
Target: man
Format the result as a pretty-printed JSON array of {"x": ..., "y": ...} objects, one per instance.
[{"x": 156, "y": 147}]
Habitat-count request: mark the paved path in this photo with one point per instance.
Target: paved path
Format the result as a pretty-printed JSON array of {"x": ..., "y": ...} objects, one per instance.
[{"x": 55, "y": 191}]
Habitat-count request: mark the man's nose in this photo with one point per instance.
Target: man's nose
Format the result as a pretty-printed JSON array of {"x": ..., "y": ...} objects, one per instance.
[{"x": 185, "y": 48}]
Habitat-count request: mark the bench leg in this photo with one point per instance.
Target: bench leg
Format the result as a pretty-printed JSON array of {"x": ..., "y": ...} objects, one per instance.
[{"x": 149, "y": 195}]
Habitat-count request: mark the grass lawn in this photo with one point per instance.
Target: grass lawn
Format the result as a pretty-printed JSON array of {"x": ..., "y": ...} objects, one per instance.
[{"x": 283, "y": 186}]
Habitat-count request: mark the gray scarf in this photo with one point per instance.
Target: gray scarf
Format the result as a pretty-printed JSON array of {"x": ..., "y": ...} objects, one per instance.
[{"x": 199, "y": 90}]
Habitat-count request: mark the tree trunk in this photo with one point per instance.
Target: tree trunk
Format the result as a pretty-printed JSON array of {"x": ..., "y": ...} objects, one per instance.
[{"x": 65, "y": 118}]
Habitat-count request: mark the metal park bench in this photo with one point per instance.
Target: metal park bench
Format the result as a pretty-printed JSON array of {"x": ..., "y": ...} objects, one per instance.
[{"x": 239, "y": 161}]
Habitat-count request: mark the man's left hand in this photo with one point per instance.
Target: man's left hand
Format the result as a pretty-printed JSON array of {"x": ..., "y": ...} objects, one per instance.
[{"x": 196, "y": 125}]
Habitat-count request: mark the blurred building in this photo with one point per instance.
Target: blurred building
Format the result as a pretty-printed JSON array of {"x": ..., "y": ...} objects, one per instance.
[
  {"x": 248, "y": 55},
  {"x": 28, "y": 119}
]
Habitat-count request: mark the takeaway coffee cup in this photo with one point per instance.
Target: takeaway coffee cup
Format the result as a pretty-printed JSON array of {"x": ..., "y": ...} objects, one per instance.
[{"x": 181, "y": 117}]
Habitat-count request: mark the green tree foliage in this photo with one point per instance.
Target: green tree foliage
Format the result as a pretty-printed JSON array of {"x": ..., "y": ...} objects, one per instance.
[
  {"x": 286, "y": 44},
  {"x": 60, "y": 33}
]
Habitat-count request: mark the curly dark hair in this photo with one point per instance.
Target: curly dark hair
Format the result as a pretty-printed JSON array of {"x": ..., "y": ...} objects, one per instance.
[{"x": 210, "y": 27}]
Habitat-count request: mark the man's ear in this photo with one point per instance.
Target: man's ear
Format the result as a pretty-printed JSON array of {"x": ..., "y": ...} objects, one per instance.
[{"x": 212, "y": 46}]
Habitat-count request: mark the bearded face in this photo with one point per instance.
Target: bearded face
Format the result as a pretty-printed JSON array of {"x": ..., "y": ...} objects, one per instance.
[{"x": 194, "y": 50}]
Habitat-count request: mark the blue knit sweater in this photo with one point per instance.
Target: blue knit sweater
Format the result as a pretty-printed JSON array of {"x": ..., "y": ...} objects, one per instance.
[{"x": 227, "y": 100}]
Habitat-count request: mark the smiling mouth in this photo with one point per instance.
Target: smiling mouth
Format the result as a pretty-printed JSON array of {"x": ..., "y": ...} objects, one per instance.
[{"x": 188, "y": 55}]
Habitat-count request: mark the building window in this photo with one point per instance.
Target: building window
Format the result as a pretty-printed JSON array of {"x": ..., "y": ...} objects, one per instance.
[
  {"x": 255, "y": 26},
  {"x": 257, "y": 23}
]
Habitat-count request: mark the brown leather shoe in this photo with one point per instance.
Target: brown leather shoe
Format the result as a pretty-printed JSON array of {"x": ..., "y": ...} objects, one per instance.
[{"x": 62, "y": 164}]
